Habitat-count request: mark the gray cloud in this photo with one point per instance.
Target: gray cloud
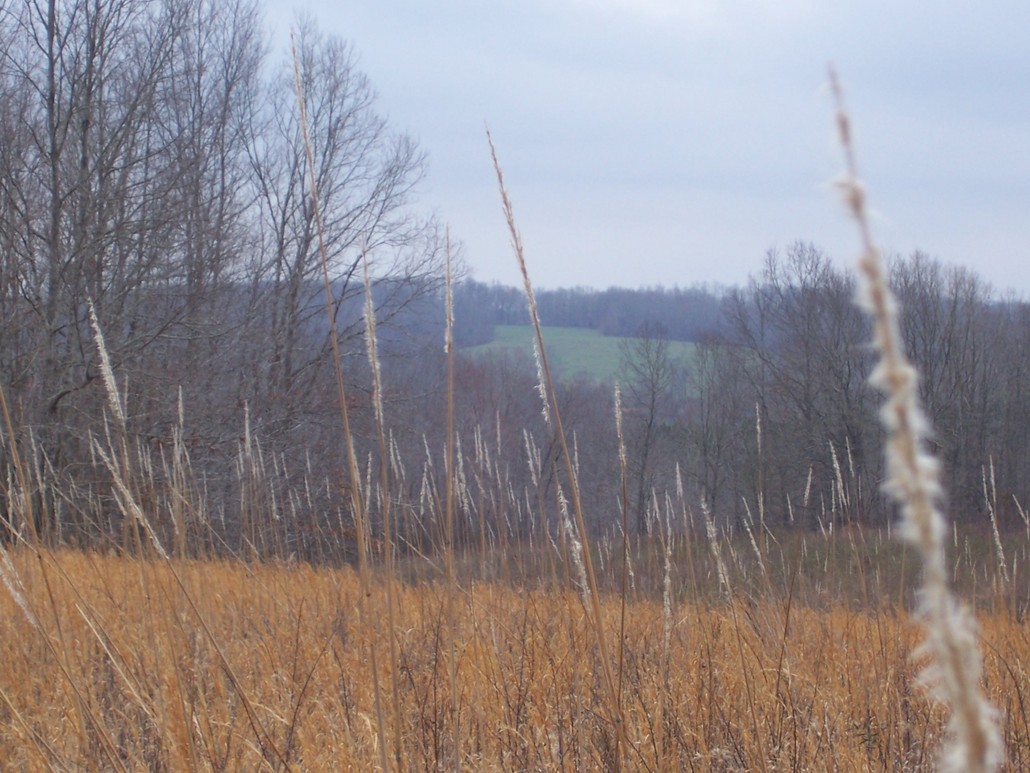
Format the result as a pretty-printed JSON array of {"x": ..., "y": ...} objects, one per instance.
[{"x": 646, "y": 143}]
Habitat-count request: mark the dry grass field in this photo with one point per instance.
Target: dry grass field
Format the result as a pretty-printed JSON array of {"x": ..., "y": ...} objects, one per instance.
[{"x": 120, "y": 663}]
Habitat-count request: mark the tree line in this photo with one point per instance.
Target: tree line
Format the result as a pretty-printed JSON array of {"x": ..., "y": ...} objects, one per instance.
[
  {"x": 774, "y": 418},
  {"x": 685, "y": 313},
  {"x": 152, "y": 165}
]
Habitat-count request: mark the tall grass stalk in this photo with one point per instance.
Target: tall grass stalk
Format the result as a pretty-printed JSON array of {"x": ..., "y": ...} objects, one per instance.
[
  {"x": 913, "y": 480},
  {"x": 106, "y": 373},
  {"x": 624, "y": 528},
  {"x": 20, "y": 500},
  {"x": 121, "y": 477},
  {"x": 451, "y": 644},
  {"x": 84, "y": 716},
  {"x": 354, "y": 475},
  {"x": 991, "y": 501},
  {"x": 386, "y": 510},
  {"x": 551, "y": 407}
]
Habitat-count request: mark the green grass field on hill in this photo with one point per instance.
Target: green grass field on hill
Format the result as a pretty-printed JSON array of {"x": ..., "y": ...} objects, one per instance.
[{"x": 572, "y": 350}]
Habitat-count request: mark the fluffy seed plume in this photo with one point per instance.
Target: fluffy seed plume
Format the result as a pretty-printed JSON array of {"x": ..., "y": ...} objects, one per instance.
[
  {"x": 974, "y": 743},
  {"x": 520, "y": 256},
  {"x": 12, "y": 581},
  {"x": 372, "y": 342},
  {"x": 106, "y": 372},
  {"x": 576, "y": 547}
]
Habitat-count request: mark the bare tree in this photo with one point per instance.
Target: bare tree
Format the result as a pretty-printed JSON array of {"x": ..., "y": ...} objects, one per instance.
[
  {"x": 150, "y": 164},
  {"x": 719, "y": 429},
  {"x": 647, "y": 370},
  {"x": 808, "y": 367},
  {"x": 81, "y": 185},
  {"x": 365, "y": 175},
  {"x": 202, "y": 114},
  {"x": 956, "y": 342}
]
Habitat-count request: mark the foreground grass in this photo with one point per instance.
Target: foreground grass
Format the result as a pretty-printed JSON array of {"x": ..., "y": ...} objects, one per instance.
[{"x": 111, "y": 663}]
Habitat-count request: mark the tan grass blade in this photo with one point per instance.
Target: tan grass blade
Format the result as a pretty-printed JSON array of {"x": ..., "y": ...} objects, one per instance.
[
  {"x": 551, "y": 410},
  {"x": 913, "y": 480},
  {"x": 354, "y": 476}
]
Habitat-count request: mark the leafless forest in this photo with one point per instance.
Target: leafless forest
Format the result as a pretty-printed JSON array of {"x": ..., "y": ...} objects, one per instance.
[{"x": 435, "y": 574}]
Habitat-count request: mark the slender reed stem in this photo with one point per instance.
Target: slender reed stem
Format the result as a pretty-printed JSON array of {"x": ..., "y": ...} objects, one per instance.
[
  {"x": 384, "y": 482},
  {"x": 354, "y": 474},
  {"x": 913, "y": 480},
  {"x": 452, "y": 653},
  {"x": 549, "y": 395}
]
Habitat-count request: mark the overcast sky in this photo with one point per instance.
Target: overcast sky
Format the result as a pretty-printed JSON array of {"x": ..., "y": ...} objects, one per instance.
[{"x": 675, "y": 142}]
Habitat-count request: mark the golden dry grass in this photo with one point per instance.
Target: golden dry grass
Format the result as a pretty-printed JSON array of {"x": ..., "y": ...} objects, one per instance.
[{"x": 121, "y": 674}]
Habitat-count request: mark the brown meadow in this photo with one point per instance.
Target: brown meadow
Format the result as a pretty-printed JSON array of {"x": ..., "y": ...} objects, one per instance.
[{"x": 123, "y": 668}]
